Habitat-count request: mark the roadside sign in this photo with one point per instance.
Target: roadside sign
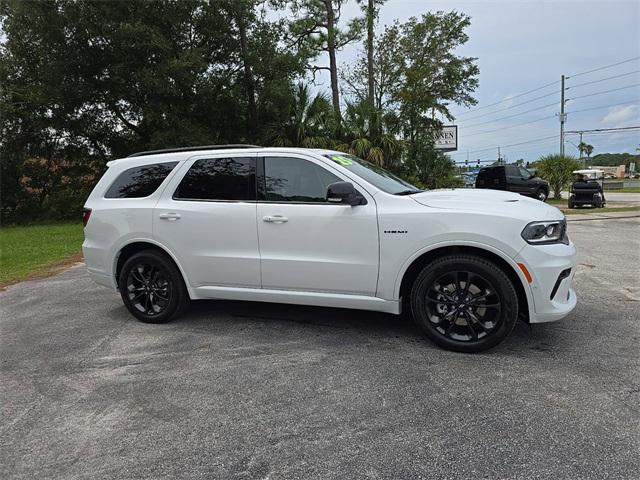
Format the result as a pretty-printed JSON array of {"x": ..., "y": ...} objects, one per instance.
[{"x": 447, "y": 138}]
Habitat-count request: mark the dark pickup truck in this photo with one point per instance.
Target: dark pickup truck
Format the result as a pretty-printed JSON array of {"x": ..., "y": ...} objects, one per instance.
[{"x": 513, "y": 179}]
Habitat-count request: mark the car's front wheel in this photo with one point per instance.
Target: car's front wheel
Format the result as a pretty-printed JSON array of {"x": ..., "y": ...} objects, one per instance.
[
  {"x": 151, "y": 287},
  {"x": 542, "y": 195},
  {"x": 464, "y": 303}
]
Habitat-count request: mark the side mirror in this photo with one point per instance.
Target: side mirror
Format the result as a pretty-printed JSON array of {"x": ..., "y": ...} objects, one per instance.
[{"x": 344, "y": 193}]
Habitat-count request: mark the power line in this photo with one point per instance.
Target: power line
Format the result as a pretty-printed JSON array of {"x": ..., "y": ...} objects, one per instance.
[
  {"x": 602, "y": 68},
  {"x": 615, "y": 129},
  {"x": 598, "y": 108},
  {"x": 512, "y": 126},
  {"x": 602, "y": 80},
  {"x": 509, "y": 99},
  {"x": 514, "y": 115},
  {"x": 604, "y": 91},
  {"x": 511, "y": 106},
  {"x": 507, "y": 146}
]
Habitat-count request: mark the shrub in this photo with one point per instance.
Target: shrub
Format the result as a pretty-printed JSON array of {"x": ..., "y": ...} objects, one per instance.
[{"x": 556, "y": 169}]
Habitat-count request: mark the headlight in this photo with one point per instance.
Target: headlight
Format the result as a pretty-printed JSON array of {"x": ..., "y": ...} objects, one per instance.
[{"x": 543, "y": 233}]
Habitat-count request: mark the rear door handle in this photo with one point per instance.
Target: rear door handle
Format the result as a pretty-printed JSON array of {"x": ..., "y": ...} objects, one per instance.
[
  {"x": 275, "y": 219},
  {"x": 170, "y": 216}
]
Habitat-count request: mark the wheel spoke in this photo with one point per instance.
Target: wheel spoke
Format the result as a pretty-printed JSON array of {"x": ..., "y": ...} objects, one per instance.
[
  {"x": 474, "y": 334},
  {"x": 444, "y": 301},
  {"x": 137, "y": 276},
  {"x": 477, "y": 321},
  {"x": 491, "y": 305}
]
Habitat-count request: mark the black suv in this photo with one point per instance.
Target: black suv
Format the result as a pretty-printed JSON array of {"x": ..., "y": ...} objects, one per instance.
[{"x": 513, "y": 179}]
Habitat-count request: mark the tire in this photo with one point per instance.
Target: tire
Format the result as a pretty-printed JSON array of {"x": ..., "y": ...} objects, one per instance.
[
  {"x": 571, "y": 205},
  {"x": 542, "y": 195},
  {"x": 474, "y": 329},
  {"x": 152, "y": 287}
]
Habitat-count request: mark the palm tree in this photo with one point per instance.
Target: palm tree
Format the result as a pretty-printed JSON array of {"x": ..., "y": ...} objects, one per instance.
[
  {"x": 309, "y": 120},
  {"x": 364, "y": 137},
  {"x": 588, "y": 149}
]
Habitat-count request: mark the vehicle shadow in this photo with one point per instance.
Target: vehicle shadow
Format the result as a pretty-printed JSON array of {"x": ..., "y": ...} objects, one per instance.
[{"x": 360, "y": 325}]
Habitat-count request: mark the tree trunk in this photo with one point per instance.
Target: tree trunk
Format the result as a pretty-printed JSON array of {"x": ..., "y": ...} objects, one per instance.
[
  {"x": 249, "y": 81},
  {"x": 370, "y": 18},
  {"x": 333, "y": 66},
  {"x": 373, "y": 123}
]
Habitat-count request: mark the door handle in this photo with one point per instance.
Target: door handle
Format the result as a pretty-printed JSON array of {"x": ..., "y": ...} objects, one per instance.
[
  {"x": 275, "y": 219},
  {"x": 170, "y": 216}
]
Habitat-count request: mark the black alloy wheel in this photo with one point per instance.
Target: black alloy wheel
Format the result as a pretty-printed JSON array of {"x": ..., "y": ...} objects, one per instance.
[
  {"x": 151, "y": 287},
  {"x": 464, "y": 303},
  {"x": 148, "y": 289},
  {"x": 542, "y": 195}
]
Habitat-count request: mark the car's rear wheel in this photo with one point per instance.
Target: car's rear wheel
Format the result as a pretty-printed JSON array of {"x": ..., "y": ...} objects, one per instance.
[
  {"x": 464, "y": 303},
  {"x": 152, "y": 287}
]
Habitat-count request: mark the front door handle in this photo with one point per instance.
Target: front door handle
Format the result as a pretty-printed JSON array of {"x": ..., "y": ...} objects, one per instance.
[
  {"x": 275, "y": 219},
  {"x": 170, "y": 216}
]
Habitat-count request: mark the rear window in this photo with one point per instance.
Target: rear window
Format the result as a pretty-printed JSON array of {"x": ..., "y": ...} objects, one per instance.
[
  {"x": 138, "y": 182},
  {"x": 219, "y": 179}
]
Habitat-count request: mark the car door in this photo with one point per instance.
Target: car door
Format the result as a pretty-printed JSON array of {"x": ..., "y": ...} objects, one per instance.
[
  {"x": 515, "y": 182},
  {"x": 307, "y": 243},
  {"x": 529, "y": 186},
  {"x": 207, "y": 218}
]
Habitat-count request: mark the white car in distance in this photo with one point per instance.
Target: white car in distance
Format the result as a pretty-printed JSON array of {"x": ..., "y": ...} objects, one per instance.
[{"x": 320, "y": 227}]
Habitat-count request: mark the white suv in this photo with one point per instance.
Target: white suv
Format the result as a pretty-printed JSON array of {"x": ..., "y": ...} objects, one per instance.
[{"x": 321, "y": 227}]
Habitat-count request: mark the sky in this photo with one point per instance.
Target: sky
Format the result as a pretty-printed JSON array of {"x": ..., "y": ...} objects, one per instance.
[{"x": 523, "y": 45}]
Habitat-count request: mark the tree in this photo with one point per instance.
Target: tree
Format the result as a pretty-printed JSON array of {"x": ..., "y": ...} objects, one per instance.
[
  {"x": 428, "y": 167},
  {"x": 429, "y": 74},
  {"x": 588, "y": 149},
  {"x": 557, "y": 170},
  {"x": 308, "y": 123},
  {"x": 585, "y": 148},
  {"x": 370, "y": 9},
  {"x": 315, "y": 29},
  {"x": 86, "y": 81},
  {"x": 417, "y": 73}
]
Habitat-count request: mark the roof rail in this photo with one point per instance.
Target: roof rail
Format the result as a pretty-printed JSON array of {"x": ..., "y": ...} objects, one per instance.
[{"x": 191, "y": 149}]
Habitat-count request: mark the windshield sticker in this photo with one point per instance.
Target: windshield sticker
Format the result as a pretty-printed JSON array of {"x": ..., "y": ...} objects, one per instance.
[{"x": 344, "y": 161}]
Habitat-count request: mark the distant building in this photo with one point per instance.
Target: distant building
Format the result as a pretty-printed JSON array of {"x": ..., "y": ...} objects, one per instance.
[{"x": 617, "y": 172}]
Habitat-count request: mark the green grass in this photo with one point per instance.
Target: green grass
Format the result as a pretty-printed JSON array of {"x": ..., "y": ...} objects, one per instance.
[
  {"x": 622, "y": 190},
  {"x": 32, "y": 250},
  {"x": 582, "y": 211}
]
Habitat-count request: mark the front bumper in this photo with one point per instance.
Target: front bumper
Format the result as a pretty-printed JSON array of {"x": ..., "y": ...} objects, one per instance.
[{"x": 553, "y": 297}]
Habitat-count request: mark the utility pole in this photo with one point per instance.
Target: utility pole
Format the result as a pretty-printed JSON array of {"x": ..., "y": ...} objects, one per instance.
[
  {"x": 563, "y": 116},
  {"x": 499, "y": 158}
]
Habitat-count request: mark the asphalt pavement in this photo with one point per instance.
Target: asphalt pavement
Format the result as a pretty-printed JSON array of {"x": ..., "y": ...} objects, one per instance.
[{"x": 254, "y": 391}]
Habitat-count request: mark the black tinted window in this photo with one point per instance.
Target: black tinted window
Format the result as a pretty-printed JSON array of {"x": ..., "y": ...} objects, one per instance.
[
  {"x": 139, "y": 182},
  {"x": 512, "y": 171},
  {"x": 219, "y": 179},
  {"x": 296, "y": 180}
]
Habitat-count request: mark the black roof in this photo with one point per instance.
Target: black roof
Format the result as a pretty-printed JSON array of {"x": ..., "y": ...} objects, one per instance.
[{"x": 191, "y": 149}]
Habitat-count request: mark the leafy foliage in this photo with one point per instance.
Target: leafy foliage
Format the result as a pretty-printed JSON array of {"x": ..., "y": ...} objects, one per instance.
[
  {"x": 84, "y": 82},
  {"x": 556, "y": 169},
  {"x": 615, "y": 159}
]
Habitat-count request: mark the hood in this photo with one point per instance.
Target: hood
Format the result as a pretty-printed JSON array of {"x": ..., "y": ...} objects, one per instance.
[{"x": 506, "y": 204}]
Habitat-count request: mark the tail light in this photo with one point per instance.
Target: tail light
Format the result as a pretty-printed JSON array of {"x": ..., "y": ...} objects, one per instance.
[{"x": 86, "y": 213}]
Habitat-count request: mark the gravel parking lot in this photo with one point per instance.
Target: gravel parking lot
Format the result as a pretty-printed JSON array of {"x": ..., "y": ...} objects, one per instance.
[{"x": 256, "y": 391}]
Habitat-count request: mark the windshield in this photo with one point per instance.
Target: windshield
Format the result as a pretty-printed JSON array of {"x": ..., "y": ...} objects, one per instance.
[{"x": 376, "y": 176}]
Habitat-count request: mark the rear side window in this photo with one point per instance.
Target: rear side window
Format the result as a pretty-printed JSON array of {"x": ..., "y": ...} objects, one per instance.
[
  {"x": 219, "y": 179},
  {"x": 140, "y": 181}
]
